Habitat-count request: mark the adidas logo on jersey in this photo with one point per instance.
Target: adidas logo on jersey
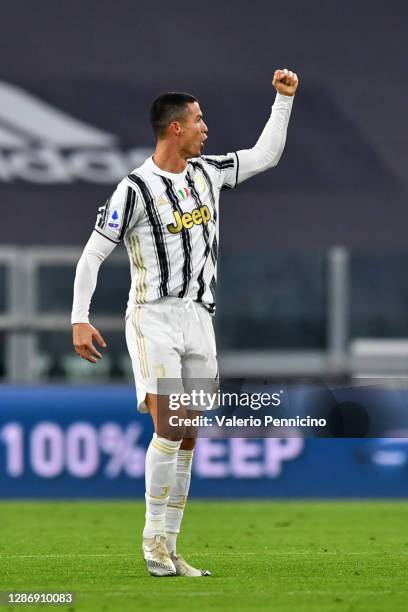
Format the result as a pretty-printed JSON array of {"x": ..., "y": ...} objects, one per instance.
[
  {"x": 44, "y": 145},
  {"x": 199, "y": 216}
]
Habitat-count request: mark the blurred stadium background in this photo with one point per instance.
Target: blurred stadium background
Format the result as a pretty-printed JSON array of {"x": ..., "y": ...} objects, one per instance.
[{"x": 313, "y": 266}]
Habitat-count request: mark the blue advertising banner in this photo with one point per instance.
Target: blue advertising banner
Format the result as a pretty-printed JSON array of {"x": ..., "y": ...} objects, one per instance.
[{"x": 76, "y": 442}]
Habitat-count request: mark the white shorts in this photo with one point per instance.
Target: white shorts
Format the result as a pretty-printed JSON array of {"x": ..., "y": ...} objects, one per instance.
[{"x": 171, "y": 343}]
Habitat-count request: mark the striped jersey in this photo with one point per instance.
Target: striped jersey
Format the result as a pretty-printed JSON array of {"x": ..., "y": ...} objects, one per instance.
[{"x": 169, "y": 224}]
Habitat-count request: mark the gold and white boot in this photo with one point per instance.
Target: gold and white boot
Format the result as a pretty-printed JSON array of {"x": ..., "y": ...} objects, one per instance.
[
  {"x": 184, "y": 569},
  {"x": 157, "y": 558}
]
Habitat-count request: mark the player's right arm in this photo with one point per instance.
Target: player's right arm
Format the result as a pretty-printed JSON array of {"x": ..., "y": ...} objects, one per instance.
[
  {"x": 113, "y": 221},
  {"x": 97, "y": 249}
]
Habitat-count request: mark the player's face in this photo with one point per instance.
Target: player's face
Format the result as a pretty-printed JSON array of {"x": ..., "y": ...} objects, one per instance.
[{"x": 193, "y": 132}]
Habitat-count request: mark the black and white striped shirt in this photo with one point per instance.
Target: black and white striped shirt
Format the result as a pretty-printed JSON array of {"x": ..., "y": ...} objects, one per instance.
[{"x": 169, "y": 223}]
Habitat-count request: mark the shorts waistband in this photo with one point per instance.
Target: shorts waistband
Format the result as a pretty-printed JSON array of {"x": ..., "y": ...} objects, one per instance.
[
  {"x": 174, "y": 301},
  {"x": 169, "y": 301}
]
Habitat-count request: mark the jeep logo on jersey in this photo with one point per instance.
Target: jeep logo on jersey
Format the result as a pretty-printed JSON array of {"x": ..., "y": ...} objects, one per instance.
[
  {"x": 199, "y": 216},
  {"x": 44, "y": 145}
]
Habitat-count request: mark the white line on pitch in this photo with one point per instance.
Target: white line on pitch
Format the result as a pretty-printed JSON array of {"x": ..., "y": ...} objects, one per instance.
[{"x": 205, "y": 554}]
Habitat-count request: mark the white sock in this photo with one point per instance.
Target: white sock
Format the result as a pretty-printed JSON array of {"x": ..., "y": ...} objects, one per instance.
[
  {"x": 178, "y": 498},
  {"x": 161, "y": 462}
]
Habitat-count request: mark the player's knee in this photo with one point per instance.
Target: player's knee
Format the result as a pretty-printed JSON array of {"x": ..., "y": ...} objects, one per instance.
[
  {"x": 170, "y": 431},
  {"x": 171, "y": 425}
]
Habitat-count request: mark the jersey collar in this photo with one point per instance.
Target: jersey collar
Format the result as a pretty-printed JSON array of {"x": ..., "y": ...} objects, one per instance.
[{"x": 156, "y": 170}]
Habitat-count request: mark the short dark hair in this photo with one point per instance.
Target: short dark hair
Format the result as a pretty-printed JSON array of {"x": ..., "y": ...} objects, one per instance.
[{"x": 168, "y": 107}]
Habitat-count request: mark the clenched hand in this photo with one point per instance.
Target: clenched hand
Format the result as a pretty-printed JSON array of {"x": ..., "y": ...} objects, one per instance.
[{"x": 285, "y": 82}]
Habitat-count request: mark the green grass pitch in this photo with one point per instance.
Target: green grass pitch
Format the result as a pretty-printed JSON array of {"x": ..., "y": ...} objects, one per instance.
[{"x": 289, "y": 556}]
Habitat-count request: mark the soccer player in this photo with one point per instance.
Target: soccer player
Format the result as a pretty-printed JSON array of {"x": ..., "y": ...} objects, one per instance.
[{"x": 166, "y": 211}]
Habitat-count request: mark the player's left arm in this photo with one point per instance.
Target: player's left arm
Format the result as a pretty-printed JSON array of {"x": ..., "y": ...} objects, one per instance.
[{"x": 267, "y": 151}]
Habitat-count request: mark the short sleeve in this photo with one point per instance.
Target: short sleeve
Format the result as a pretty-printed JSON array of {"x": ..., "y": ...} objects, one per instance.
[
  {"x": 225, "y": 169},
  {"x": 118, "y": 214}
]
